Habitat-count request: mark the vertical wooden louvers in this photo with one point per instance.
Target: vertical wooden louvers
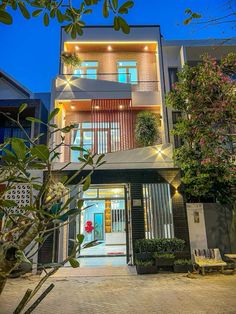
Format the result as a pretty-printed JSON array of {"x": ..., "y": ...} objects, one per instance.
[{"x": 113, "y": 125}]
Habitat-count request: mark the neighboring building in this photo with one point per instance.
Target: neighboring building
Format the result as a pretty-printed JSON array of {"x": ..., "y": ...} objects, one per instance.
[
  {"x": 136, "y": 193},
  {"x": 12, "y": 95}
]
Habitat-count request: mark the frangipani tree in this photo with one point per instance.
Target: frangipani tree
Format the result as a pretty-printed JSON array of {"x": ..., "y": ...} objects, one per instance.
[
  {"x": 205, "y": 94},
  {"x": 50, "y": 200}
]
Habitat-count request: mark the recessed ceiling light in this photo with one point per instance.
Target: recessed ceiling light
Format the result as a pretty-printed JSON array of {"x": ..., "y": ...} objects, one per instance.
[
  {"x": 76, "y": 47},
  {"x": 72, "y": 107},
  {"x": 96, "y": 107},
  {"x": 121, "y": 107},
  {"x": 146, "y": 48},
  {"x": 109, "y": 48}
]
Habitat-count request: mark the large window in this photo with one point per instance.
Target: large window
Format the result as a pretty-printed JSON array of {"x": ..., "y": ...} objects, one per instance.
[
  {"x": 158, "y": 211},
  {"x": 173, "y": 76},
  {"x": 100, "y": 137},
  {"x": 88, "y": 69},
  {"x": 127, "y": 72}
]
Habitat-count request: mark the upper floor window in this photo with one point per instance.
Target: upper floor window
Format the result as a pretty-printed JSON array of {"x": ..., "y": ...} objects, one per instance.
[
  {"x": 127, "y": 72},
  {"x": 88, "y": 69},
  {"x": 173, "y": 76}
]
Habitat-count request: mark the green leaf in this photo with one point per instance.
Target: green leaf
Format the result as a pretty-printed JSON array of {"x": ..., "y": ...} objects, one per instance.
[
  {"x": 22, "y": 107},
  {"x": 41, "y": 152},
  {"x": 78, "y": 149},
  {"x": 32, "y": 119},
  {"x": 87, "y": 183},
  {"x": 105, "y": 9},
  {"x": 80, "y": 203},
  {"x": 53, "y": 114},
  {"x": 124, "y": 26},
  {"x": 100, "y": 158},
  {"x": 19, "y": 148},
  {"x": 5, "y": 17},
  {"x": 36, "y": 12},
  {"x": 124, "y": 8},
  {"x": 24, "y": 10},
  {"x": 116, "y": 24},
  {"x": 60, "y": 19},
  {"x": 115, "y": 4},
  {"x": 80, "y": 238},
  {"x": 8, "y": 203},
  {"x": 46, "y": 19},
  {"x": 74, "y": 263},
  {"x": 39, "y": 240}
]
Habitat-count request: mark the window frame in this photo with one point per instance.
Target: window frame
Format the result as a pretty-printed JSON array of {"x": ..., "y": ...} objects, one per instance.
[
  {"x": 83, "y": 69},
  {"x": 127, "y": 71}
]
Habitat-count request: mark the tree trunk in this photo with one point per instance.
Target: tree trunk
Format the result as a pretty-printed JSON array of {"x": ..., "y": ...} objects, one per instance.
[{"x": 9, "y": 259}]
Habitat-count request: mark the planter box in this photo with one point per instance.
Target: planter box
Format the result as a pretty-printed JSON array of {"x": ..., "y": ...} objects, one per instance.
[
  {"x": 183, "y": 268},
  {"x": 164, "y": 262},
  {"x": 144, "y": 270}
]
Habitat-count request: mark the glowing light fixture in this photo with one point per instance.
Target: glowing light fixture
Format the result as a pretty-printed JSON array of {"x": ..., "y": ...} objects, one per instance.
[
  {"x": 121, "y": 107},
  {"x": 72, "y": 107},
  {"x": 96, "y": 107},
  {"x": 146, "y": 48},
  {"x": 76, "y": 47},
  {"x": 109, "y": 48},
  {"x": 159, "y": 151}
]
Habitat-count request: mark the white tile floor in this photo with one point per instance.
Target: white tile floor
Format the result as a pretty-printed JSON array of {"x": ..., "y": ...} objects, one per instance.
[{"x": 104, "y": 250}]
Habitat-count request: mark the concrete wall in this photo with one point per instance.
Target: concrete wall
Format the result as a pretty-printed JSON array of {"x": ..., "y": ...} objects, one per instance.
[
  {"x": 211, "y": 226},
  {"x": 8, "y": 91}
]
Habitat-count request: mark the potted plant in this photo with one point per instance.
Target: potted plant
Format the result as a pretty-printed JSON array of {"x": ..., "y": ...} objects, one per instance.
[
  {"x": 145, "y": 267},
  {"x": 164, "y": 259},
  {"x": 71, "y": 60},
  {"x": 183, "y": 266},
  {"x": 146, "y": 129}
]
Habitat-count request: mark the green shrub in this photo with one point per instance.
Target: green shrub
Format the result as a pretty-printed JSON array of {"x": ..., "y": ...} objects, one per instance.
[
  {"x": 183, "y": 262},
  {"x": 70, "y": 58},
  {"x": 144, "y": 263},
  {"x": 160, "y": 245},
  {"x": 163, "y": 255},
  {"x": 146, "y": 129}
]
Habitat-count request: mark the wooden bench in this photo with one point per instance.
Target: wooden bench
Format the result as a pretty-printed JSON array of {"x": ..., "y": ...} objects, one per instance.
[{"x": 208, "y": 258}]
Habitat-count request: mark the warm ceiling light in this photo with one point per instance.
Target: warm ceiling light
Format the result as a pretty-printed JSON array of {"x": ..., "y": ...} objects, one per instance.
[
  {"x": 72, "y": 107},
  {"x": 146, "y": 48},
  {"x": 109, "y": 48},
  {"x": 121, "y": 107},
  {"x": 76, "y": 47},
  {"x": 96, "y": 107}
]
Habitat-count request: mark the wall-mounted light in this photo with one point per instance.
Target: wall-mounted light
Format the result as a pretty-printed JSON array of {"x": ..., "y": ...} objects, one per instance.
[
  {"x": 146, "y": 48},
  {"x": 96, "y": 107},
  {"x": 121, "y": 107},
  {"x": 159, "y": 151},
  {"x": 72, "y": 107},
  {"x": 77, "y": 48},
  {"x": 109, "y": 48}
]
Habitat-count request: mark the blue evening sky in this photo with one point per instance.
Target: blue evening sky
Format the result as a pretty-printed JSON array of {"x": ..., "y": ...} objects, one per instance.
[{"x": 30, "y": 52}]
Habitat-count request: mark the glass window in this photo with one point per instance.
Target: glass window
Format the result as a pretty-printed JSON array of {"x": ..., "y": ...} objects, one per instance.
[
  {"x": 111, "y": 193},
  {"x": 88, "y": 69},
  {"x": 127, "y": 72},
  {"x": 173, "y": 76}
]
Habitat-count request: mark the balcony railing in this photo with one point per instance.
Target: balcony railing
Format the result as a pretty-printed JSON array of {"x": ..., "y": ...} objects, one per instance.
[{"x": 124, "y": 78}]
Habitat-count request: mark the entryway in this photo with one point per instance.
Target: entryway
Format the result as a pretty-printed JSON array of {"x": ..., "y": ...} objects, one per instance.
[{"x": 103, "y": 218}]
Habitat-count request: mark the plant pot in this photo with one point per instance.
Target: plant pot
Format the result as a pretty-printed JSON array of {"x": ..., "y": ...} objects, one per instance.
[
  {"x": 144, "y": 270},
  {"x": 183, "y": 268},
  {"x": 160, "y": 262},
  {"x": 144, "y": 256}
]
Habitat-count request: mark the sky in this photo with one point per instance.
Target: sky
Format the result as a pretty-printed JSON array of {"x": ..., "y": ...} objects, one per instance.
[{"x": 29, "y": 51}]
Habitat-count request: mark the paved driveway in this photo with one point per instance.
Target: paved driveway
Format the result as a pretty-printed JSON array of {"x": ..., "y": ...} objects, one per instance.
[{"x": 122, "y": 294}]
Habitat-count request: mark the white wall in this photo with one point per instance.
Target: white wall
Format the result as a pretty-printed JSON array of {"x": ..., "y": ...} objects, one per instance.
[{"x": 196, "y": 226}]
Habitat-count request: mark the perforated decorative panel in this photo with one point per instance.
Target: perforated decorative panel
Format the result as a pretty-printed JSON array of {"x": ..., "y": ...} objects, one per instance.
[{"x": 21, "y": 195}]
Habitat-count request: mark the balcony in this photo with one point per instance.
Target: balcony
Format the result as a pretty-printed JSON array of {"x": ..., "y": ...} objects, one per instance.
[{"x": 106, "y": 86}]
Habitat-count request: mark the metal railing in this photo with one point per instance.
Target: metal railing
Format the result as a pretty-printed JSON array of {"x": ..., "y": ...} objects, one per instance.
[{"x": 124, "y": 78}]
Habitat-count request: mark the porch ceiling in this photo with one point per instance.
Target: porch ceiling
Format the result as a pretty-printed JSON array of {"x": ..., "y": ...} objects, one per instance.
[{"x": 100, "y": 46}]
